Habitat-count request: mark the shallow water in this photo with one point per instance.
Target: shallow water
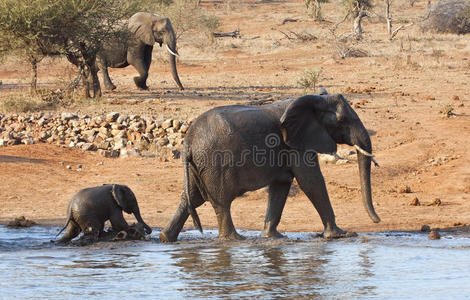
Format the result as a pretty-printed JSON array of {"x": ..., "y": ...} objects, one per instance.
[{"x": 375, "y": 265}]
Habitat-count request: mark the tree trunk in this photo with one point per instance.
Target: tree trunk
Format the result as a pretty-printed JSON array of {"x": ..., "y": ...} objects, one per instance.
[
  {"x": 357, "y": 29},
  {"x": 388, "y": 16},
  {"x": 34, "y": 75}
]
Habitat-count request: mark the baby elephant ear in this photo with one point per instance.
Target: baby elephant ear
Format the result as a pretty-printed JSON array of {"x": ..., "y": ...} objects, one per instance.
[{"x": 118, "y": 195}]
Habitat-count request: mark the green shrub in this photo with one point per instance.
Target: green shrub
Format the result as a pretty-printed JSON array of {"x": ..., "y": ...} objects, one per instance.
[{"x": 309, "y": 79}]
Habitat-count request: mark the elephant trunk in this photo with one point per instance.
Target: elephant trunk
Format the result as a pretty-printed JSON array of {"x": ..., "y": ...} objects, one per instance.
[
  {"x": 170, "y": 44},
  {"x": 139, "y": 219},
  {"x": 360, "y": 138}
]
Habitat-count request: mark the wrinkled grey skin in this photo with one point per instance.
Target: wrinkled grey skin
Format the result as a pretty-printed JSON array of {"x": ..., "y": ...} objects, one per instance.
[
  {"x": 91, "y": 207},
  {"x": 146, "y": 29},
  {"x": 305, "y": 125}
]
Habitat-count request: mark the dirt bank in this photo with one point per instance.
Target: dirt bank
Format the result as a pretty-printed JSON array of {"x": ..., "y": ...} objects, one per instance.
[{"x": 398, "y": 89}]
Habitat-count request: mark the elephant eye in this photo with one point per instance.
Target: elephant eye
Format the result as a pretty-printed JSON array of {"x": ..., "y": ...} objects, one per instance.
[{"x": 330, "y": 118}]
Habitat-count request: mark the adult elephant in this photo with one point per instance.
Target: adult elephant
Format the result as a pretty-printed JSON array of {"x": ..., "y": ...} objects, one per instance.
[
  {"x": 146, "y": 29},
  {"x": 229, "y": 150},
  {"x": 91, "y": 207}
]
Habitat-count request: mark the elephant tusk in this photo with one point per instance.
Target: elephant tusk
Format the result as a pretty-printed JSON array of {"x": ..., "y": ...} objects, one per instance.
[
  {"x": 171, "y": 52},
  {"x": 364, "y": 152}
]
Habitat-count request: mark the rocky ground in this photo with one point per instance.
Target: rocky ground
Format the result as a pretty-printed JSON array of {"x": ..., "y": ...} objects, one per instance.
[{"x": 410, "y": 92}]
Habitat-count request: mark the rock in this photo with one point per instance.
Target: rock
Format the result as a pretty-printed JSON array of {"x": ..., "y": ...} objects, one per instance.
[
  {"x": 104, "y": 153},
  {"x": 68, "y": 167},
  {"x": 121, "y": 119},
  {"x": 119, "y": 143},
  {"x": 415, "y": 202},
  {"x": 163, "y": 142},
  {"x": 125, "y": 153},
  {"x": 114, "y": 153},
  {"x": 116, "y": 132},
  {"x": 176, "y": 124},
  {"x": 184, "y": 128},
  {"x": 434, "y": 235},
  {"x": 21, "y": 222},
  {"x": 108, "y": 153},
  {"x": 425, "y": 228},
  {"x": 167, "y": 124},
  {"x": 435, "y": 202},
  {"x": 344, "y": 153},
  {"x": 322, "y": 91},
  {"x": 327, "y": 158},
  {"x": 103, "y": 145},
  {"x": 111, "y": 117},
  {"x": 88, "y": 147},
  {"x": 342, "y": 161},
  {"x": 404, "y": 189},
  {"x": 65, "y": 116},
  {"x": 176, "y": 154}
]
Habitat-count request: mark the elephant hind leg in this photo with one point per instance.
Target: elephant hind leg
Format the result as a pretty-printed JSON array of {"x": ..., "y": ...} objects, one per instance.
[
  {"x": 173, "y": 228},
  {"x": 73, "y": 230},
  {"x": 227, "y": 230},
  {"x": 108, "y": 84},
  {"x": 278, "y": 192}
]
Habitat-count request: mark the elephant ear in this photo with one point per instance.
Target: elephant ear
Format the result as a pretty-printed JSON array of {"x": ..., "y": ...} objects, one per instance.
[
  {"x": 301, "y": 127},
  {"x": 119, "y": 196},
  {"x": 140, "y": 25}
]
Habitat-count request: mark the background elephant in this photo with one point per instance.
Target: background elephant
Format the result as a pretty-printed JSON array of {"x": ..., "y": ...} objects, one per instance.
[
  {"x": 91, "y": 207},
  {"x": 223, "y": 158},
  {"x": 146, "y": 29}
]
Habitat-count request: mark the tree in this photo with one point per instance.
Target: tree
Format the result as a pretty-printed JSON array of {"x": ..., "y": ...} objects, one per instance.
[
  {"x": 75, "y": 28},
  {"x": 26, "y": 32}
]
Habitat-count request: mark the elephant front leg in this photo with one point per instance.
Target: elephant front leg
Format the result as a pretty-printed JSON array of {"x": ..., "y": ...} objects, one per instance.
[
  {"x": 312, "y": 183},
  {"x": 118, "y": 223},
  {"x": 141, "y": 81},
  {"x": 278, "y": 192}
]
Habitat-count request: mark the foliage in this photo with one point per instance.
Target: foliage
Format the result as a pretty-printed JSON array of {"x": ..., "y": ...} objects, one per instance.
[
  {"x": 314, "y": 8},
  {"x": 76, "y": 28},
  {"x": 18, "y": 103},
  {"x": 185, "y": 15},
  {"x": 354, "y": 7},
  {"x": 447, "y": 111},
  {"x": 309, "y": 79},
  {"x": 208, "y": 24},
  {"x": 449, "y": 16}
]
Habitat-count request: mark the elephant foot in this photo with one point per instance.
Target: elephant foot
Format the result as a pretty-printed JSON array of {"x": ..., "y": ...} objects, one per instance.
[
  {"x": 166, "y": 238},
  {"x": 234, "y": 236},
  {"x": 272, "y": 234},
  {"x": 110, "y": 87},
  {"x": 337, "y": 233},
  {"x": 141, "y": 85}
]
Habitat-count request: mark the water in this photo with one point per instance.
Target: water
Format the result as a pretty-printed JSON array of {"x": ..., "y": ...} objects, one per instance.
[{"x": 375, "y": 265}]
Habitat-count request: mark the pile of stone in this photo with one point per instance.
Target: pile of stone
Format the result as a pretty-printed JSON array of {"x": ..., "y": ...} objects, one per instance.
[{"x": 111, "y": 135}]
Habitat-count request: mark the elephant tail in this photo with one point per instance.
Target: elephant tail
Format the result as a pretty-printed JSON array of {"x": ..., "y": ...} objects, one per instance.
[
  {"x": 191, "y": 209},
  {"x": 69, "y": 218}
]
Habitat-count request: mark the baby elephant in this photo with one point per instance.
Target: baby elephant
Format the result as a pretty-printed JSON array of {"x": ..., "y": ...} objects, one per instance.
[{"x": 91, "y": 207}]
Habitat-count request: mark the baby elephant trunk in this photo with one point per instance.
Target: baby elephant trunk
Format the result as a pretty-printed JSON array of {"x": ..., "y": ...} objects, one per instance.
[{"x": 139, "y": 219}]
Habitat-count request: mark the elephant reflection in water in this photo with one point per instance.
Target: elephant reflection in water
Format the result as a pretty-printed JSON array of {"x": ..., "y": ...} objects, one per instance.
[{"x": 253, "y": 270}]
